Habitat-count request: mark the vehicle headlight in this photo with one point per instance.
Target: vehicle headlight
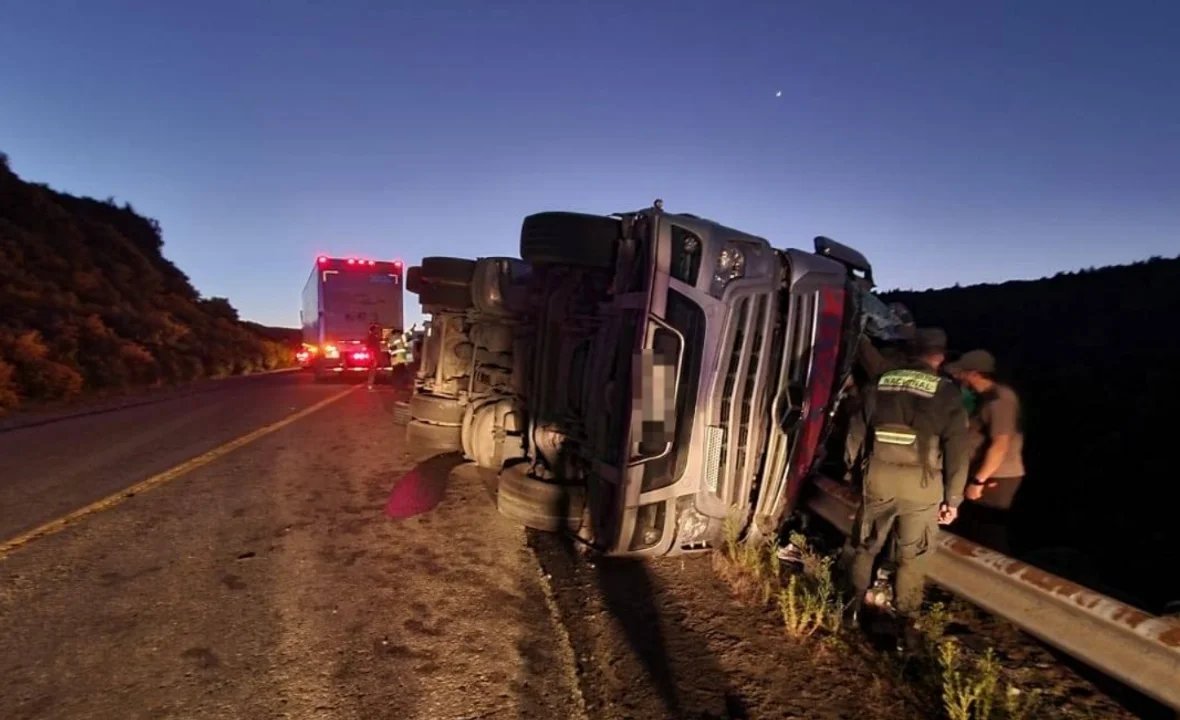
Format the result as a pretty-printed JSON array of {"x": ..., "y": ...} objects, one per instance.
[{"x": 731, "y": 265}]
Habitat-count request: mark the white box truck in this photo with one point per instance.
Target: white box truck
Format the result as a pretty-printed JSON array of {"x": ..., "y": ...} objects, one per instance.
[{"x": 342, "y": 299}]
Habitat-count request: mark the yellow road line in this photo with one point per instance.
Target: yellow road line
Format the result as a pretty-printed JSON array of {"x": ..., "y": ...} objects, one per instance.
[{"x": 110, "y": 501}]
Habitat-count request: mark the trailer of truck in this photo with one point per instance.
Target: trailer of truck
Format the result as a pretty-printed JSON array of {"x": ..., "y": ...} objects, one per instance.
[{"x": 342, "y": 299}]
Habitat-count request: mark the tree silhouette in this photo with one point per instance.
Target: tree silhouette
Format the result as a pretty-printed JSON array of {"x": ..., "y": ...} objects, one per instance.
[{"x": 1092, "y": 355}]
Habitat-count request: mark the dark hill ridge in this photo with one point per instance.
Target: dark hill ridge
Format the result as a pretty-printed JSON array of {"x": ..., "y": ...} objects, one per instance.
[
  {"x": 1094, "y": 355},
  {"x": 88, "y": 303}
]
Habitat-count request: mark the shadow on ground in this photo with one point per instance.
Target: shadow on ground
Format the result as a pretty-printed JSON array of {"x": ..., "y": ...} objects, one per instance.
[{"x": 637, "y": 655}]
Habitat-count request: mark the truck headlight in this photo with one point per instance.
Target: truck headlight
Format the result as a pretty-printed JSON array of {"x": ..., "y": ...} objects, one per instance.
[{"x": 731, "y": 265}]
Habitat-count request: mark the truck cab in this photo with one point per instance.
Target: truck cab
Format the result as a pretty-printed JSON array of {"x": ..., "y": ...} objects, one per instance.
[
  {"x": 638, "y": 379},
  {"x": 683, "y": 374}
]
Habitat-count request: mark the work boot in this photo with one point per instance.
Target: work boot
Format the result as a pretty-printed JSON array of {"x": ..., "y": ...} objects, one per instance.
[{"x": 906, "y": 635}]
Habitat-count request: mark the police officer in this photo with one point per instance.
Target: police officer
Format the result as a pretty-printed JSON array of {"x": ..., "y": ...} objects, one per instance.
[
  {"x": 915, "y": 435},
  {"x": 373, "y": 343},
  {"x": 871, "y": 363}
]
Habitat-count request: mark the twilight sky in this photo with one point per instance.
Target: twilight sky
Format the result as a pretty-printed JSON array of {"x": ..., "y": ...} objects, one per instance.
[{"x": 951, "y": 142}]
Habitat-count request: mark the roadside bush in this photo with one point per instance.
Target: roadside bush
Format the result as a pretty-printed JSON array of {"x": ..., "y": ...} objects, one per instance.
[
  {"x": 967, "y": 694},
  {"x": 8, "y": 395},
  {"x": 36, "y": 374},
  {"x": 752, "y": 570},
  {"x": 810, "y": 602},
  {"x": 970, "y": 685},
  {"x": 89, "y": 303}
]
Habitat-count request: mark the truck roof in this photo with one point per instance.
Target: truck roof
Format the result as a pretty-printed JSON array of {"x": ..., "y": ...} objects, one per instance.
[{"x": 326, "y": 261}]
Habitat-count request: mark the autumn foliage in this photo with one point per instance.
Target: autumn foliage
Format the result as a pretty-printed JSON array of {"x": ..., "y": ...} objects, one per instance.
[{"x": 88, "y": 303}]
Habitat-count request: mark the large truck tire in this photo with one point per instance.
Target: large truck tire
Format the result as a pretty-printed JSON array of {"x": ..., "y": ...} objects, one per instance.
[
  {"x": 425, "y": 436},
  {"x": 566, "y": 238},
  {"x": 414, "y": 279},
  {"x": 436, "y": 409},
  {"x": 538, "y": 504},
  {"x": 447, "y": 270},
  {"x": 445, "y": 297},
  {"x": 446, "y": 282}
]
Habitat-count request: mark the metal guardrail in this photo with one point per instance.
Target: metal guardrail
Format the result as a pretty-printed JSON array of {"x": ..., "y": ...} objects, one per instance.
[{"x": 1132, "y": 646}]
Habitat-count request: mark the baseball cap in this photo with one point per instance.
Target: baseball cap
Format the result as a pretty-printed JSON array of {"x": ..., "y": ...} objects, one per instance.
[{"x": 975, "y": 360}]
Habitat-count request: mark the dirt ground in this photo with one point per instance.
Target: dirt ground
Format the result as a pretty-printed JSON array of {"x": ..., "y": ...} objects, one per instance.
[{"x": 667, "y": 639}]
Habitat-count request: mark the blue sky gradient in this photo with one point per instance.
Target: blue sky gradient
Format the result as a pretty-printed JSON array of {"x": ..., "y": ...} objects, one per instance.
[{"x": 951, "y": 142}]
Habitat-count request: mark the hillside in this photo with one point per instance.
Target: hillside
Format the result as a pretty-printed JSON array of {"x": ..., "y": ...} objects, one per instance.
[
  {"x": 1093, "y": 355},
  {"x": 89, "y": 304}
]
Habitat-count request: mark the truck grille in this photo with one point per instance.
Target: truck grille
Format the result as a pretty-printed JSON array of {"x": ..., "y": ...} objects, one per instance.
[
  {"x": 739, "y": 405},
  {"x": 794, "y": 371}
]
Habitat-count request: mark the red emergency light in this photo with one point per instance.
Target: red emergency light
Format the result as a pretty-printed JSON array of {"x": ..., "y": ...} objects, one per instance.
[{"x": 324, "y": 260}]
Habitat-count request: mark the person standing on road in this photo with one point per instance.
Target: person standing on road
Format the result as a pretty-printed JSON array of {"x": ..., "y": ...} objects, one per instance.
[
  {"x": 373, "y": 343},
  {"x": 997, "y": 466},
  {"x": 915, "y": 433}
]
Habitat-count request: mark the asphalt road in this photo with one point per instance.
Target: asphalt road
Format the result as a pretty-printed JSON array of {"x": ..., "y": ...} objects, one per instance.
[
  {"x": 319, "y": 570},
  {"x": 267, "y": 583}
]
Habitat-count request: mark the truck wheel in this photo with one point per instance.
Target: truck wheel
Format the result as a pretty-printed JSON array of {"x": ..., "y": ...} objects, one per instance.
[
  {"x": 447, "y": 297},
  {"x": 414, "y": 279},
  {"x": 447, "y": 271},
  {"x": 538, "y": 504},
  {"x": 565, "y": 238},
  {"x": 446, "y": 282},
  {"x": 436, "y": 409},
  {"x": 420, "y": 435}
]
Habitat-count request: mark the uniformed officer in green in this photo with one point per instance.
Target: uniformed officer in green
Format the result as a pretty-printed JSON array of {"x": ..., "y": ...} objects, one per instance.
[{"x": 915, "y": 432}]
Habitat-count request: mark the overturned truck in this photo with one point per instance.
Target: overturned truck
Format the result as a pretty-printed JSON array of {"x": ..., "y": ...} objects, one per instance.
[{"x": 638, "y": 379}]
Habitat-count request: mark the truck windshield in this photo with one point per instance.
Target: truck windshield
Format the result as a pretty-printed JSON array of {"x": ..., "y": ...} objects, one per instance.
[{"x": 687, "y": 318}]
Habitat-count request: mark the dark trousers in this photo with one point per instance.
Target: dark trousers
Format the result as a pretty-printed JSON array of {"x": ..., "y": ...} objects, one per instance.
[{"x": 985, "y": 525}]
